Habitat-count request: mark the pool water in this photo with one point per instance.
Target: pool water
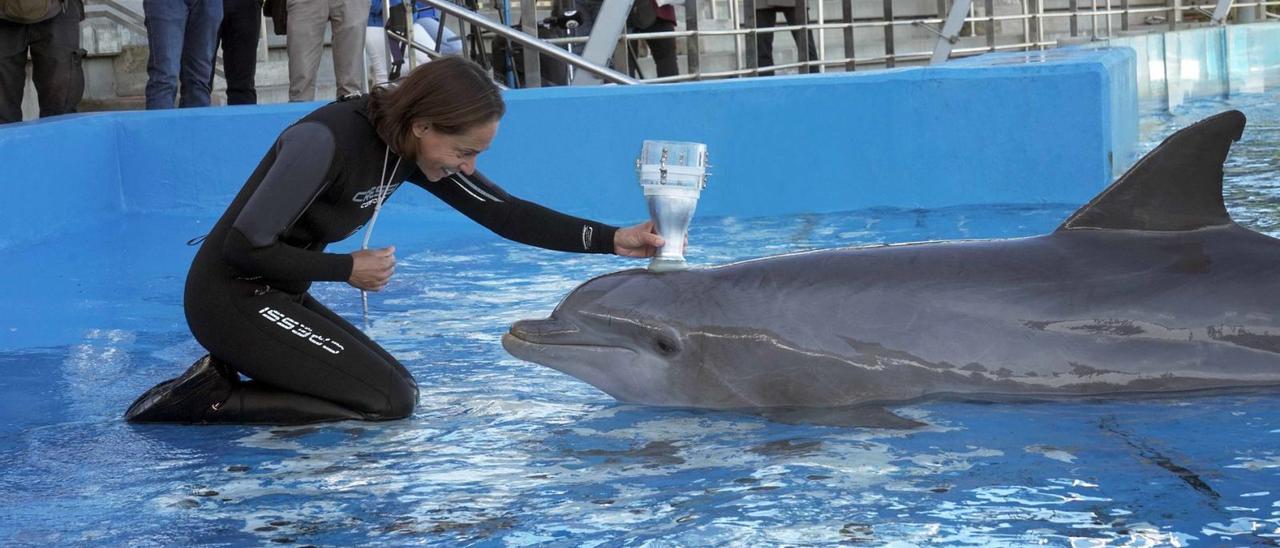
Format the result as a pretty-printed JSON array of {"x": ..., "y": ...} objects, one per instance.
[{"x": 502, "y": 452}]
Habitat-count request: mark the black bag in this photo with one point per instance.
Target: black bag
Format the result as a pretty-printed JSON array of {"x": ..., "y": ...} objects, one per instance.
[
  {"x": 644, "y": 13},
  {"x": 278, "y": 11},
  {"x": 29, "y": 11}
]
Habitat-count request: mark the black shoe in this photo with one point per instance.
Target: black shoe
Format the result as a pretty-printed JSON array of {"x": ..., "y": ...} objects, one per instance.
[{"x": 199, "y": 392}]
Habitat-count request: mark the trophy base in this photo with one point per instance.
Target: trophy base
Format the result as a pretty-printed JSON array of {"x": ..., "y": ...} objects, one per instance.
[{"x": 659, "y": 264}]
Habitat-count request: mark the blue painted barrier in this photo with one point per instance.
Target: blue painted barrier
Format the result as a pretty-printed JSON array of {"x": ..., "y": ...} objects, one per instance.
[{"x": 1007, "y": 128}]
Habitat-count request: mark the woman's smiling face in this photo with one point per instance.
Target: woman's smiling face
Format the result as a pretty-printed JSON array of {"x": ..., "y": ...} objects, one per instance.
[{"x": 439, "y": 153}]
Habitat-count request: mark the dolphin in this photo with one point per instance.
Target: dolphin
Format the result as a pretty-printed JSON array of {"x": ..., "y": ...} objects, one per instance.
[{"x": 1149, "y": 289}]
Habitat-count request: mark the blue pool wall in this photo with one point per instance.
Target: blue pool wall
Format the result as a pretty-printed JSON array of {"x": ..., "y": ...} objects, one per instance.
[{"x": 1025, "y": 128}]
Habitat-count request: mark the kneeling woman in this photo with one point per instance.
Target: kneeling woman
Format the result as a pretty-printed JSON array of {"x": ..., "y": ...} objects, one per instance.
[{"x": 246, "y": 296}]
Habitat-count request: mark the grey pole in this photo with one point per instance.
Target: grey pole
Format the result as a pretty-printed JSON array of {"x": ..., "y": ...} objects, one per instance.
[
  {"x": 1221, "y": 11},
  {"x": 608, "y": 26},
  {"x": 532, "y": 63},
  {"x": 950, "y": 32}
]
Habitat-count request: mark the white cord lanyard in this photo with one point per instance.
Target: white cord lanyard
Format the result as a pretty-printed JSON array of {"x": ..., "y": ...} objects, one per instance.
[{"x": 384, "y": 185}]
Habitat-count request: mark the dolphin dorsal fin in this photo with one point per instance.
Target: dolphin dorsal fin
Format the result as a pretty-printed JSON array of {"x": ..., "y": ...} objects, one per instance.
[{"x": 1177, "y": 186}]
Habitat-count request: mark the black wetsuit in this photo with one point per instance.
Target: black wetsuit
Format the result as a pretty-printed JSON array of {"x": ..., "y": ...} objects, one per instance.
[{"x": 246, "y": 297}]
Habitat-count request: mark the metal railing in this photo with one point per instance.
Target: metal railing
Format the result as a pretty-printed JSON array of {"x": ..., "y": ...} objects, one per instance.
[
  {"x": 916, "y": 38},
  {"x": 481, "y": 25},
  {"x": 863, "y": 36}
]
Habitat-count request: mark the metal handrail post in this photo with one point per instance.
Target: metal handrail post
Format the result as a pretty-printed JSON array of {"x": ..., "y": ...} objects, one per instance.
[
  {"x": 410, "y": 57},
  {"x": 847, "y": 6},
  {"x": 1039, "y": 21},
  {"x": 532, "y": 64},
  {"x": 1093, "y": 19},
  {"x": 386, "y": 33},
  {"x": 739, "y": 42},
  {"x": 1074, "y": 6},
  {"x": 693, "y": 46},
  {"x": 990, "y": 6},
  {"x": 803, "y": 55},
  {"x": 439, "y": 37},
  {"x": 1110, "y": 31},
  {"x": 822, "y": 37},
  {"x": 888, "y": 35},
  {"x": 264, "y": 49},
  {"x": 751, "y": 54}
]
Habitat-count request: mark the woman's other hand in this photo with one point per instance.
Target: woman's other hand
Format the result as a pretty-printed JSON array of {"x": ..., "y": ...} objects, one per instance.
[
  {"x": 372, "y": 268},
  {"x": 637, "y": 241}
]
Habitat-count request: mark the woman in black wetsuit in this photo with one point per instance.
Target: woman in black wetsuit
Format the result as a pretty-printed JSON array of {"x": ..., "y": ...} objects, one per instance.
[{"x": 246, "y": 297}]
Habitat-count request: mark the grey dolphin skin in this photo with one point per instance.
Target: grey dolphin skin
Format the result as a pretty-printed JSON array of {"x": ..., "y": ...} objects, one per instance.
[{"x": 1149, "y": 289}]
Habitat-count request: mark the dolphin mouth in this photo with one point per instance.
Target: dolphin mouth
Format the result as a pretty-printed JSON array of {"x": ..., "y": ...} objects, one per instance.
[
  {"x": 539, "y": 341},
  {"x": 548, "y": 331},
  {"x": 571, "y": 358}
]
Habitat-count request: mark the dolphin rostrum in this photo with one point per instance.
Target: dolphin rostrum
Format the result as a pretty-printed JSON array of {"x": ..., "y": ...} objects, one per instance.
[{"x": 1150, "y": 288}]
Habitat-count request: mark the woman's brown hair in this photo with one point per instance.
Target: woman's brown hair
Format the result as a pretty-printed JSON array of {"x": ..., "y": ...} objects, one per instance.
[{"x": 452, "y": 94}]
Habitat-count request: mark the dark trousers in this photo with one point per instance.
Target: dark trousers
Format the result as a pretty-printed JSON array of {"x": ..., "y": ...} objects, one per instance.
[
  {"x": 182, "y": 36},
  {"x": 768, "y": 18},
  {"x": 238, "y": 37},
  {"x": 56, "y": 70},
  {"x": 662, "y": 49}
]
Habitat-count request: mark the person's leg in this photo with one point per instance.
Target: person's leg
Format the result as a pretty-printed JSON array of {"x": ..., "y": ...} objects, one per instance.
[
  {"x": 375, "y": 51},
  {"x": 166, "y": 20},
  {"x": 319, "y": 308},
  {"x": 199, "y": 46},
  {"x": 797, "y": 17},
  {"x": 287, "y": 345},
  {"x": 349, "y": 19},
  {"x": 210, "y": 391},
  {"x": 663, "y": 50},
  {"x": 450, "y": 43},
  {"x": 239, "y": 35},
  {"x": 56, "y": 58},
  {"x": 425, "y": 39},
  {"x": 765, "y": 19},
  {"x": 13, "y": 70},
  {"x": 305, "y": 43},
  {"x": 306, "y": 363}
]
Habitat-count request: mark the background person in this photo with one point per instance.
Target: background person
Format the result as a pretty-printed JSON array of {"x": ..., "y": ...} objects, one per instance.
[
  {"x": 182, "y": 37},
  {"x": 307, "y": 20},
  {"x": 767, "y": 17},
  {"x": 238, "y": 35},
  {"x": 50, "y": 32}
]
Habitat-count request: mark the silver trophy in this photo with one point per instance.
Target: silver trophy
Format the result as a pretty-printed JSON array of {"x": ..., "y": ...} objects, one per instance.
[{"x": 672, "y": 174}]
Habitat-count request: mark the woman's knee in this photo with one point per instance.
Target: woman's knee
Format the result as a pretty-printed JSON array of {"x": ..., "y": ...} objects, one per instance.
[{"x": 401, "y": 399}]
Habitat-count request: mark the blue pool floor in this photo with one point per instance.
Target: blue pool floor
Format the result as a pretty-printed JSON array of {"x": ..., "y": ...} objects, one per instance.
[{"x": 501, "y": 452}]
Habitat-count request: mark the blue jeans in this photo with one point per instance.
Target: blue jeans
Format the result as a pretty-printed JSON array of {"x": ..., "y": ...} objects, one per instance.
[{"x": 182, "y": 35}]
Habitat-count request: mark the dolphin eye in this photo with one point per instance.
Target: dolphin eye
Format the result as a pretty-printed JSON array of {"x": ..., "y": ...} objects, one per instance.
[{"x": 665, "y": 346}]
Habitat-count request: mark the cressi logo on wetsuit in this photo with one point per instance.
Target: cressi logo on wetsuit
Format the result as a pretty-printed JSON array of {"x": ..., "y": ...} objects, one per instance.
[
  {"x": 369, "y": 197},
  {"x": 298, "y": 328}
]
